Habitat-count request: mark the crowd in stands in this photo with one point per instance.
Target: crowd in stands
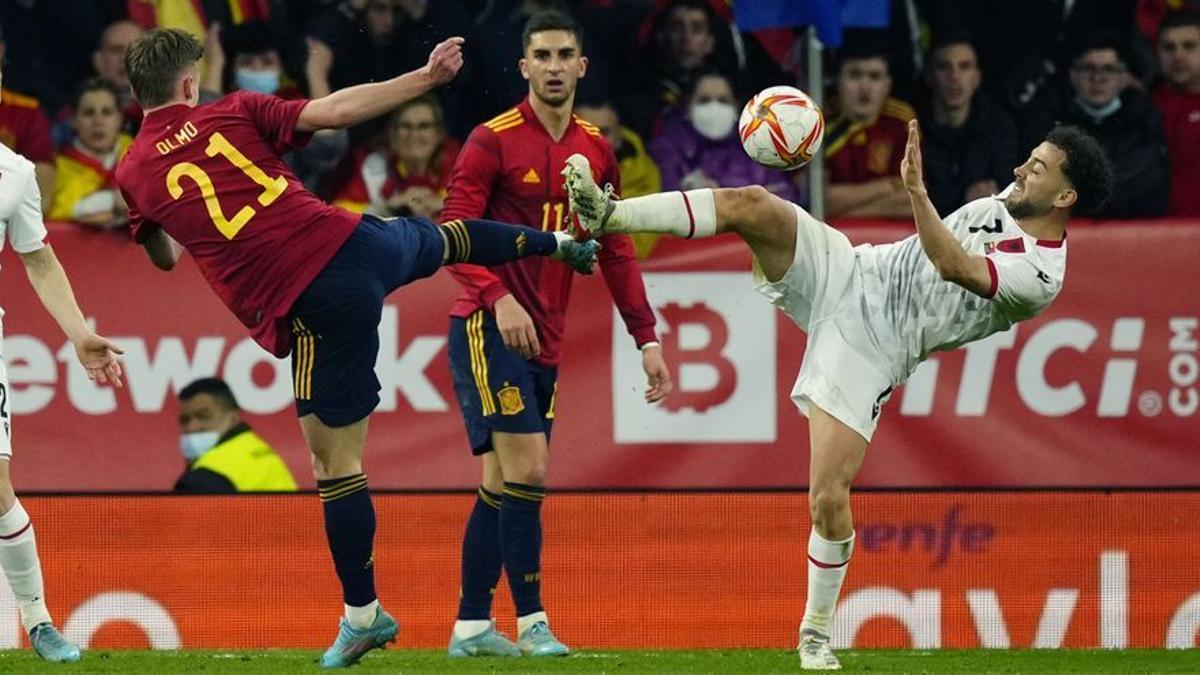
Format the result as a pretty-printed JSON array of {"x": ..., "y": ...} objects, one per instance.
[{"x": 665, "y": 83}]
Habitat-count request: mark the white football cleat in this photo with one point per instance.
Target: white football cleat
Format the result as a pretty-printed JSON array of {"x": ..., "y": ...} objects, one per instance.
[
  {"x": 815, "y": 653},
  {"x": 591, "y": 205}
]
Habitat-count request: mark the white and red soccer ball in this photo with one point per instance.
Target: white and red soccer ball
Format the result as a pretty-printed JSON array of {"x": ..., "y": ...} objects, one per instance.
[{"x": 781, "y": 128}]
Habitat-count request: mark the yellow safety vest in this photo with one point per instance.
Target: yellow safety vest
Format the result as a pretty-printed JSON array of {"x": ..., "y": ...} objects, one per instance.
[{"x": 249, "y": 463}]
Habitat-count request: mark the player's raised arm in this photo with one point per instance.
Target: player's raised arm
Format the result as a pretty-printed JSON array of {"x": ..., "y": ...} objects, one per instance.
[
  {"x": 97, "y": 354},
  {"x": 943, "y": 250},
  {"x": 353, "y": 105}
]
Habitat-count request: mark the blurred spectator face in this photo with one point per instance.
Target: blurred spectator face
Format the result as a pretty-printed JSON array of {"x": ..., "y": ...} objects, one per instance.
[
  {"x": 381, "y": 19},
  {"x": 688, "y": 37},
  {"x": 1039, "y": 181},
  {"x": 605, "y": 118},
  {"x": 863, "y": 88},
  {"x": 1179, "y": 53},
  {"x": 416, "y": 134},
  {"x": 553, "y": 66},
  {"x": 258, "y": 72},
  {"x": 711, "y": 109},
  {"x": 955, "y": 75},
  {"x": 109, "y": 57},
  {"x": 1096, "y": 77},
  {"x": 97, "y": 121},
  {"x": 203, "y": 419}
]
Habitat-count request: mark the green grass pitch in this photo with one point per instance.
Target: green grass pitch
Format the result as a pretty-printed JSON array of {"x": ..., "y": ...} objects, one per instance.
[{"x": 747, "y": 661}]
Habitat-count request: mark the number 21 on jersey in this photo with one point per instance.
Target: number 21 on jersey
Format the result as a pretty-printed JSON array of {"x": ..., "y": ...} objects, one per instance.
[{"x": 219, "y": 145}]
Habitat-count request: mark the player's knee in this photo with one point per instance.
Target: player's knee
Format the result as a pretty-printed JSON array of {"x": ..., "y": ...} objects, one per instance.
[
  {"x": 827, "y": 502},
  {"x": 533, "y": 473}
]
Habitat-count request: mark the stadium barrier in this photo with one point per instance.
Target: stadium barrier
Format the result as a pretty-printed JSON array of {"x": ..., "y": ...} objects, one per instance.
[
  {"x": 637, "y": 570},
  {"x": 1099, "y": 391}
]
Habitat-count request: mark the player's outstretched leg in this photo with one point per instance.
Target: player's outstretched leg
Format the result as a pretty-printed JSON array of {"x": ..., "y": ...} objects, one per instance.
[
  {"x": 837, "y": 454},
  {"x": 350, "y": 531},
  {"x": 486, "y": 242},
  {"x": 23, "y": 569},
  {"x": 764, "y": 221}
]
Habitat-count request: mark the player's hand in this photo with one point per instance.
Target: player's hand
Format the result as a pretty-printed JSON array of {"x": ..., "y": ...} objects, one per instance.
[
  {"x": 910, "y": 167},
  {"x": 516, "y": 327},
  {"x": 320, "y": 57},
  {"x": 658, "y": 376},
  {"x": 99, "y": 358},
  {"x": 445, "y": 60}
]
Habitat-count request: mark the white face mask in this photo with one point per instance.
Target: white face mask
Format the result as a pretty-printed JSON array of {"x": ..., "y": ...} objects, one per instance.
[
  {"x": 714, "y": 120},
  {"x": 196, "y": 444}
]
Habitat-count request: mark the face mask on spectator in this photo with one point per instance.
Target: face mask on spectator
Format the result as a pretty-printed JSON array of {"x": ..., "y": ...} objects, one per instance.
[
  {"x": 261, "y": 81},
  {"x": 714, "y": 119},
  {"x": 195, "y": 444}
]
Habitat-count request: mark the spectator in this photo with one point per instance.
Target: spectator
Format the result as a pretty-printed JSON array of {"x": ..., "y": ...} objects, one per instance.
[
  {"x": 258, "y": 66},
  {"x": 109, "y": 62},
  {"x": 700, "y": 148},
  {"x": 865, "y": 141},
  {"x": 409, "y": 177},
  {"x": 223, "y": 454},
  {"x": 970, "y": 144},
  {"x": 1125, "y": 123},
  {"x": 25, "y": 129},
  {"x": 85, "y": 191},
  {"x": 639, "y": 173},
  {"x": 687, "y": 38},
  {"x": 1178, "y": 98}
]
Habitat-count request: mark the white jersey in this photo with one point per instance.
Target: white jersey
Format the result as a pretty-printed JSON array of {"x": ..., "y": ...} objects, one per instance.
[{"x": 911, "y": 311}]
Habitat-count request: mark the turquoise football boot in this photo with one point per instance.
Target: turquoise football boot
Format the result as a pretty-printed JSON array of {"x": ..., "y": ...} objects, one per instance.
[
  {"x": 51, "y": 645},
  {"x": 490, "y": 642},
  {"x": 537, "y": 640},
  {"x": 352, "y": 643}
]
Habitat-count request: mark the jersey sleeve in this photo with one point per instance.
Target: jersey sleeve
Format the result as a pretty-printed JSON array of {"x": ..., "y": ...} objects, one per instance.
[
  {"x": 139, "y": 227},
  {"x": 1018, "y": 285},
  {"x": 26, "y": 230},
  {"x": 618, "y": 264},
  {"x": 468, "y": 192},
  {"x": 276, "y": 119}
]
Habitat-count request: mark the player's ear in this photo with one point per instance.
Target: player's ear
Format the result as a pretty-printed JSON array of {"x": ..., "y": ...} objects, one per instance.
[
  {"x": 523, "y": 66},
  {"x": 1066, "y": 198},
  {"x": 583, "y": 63}
]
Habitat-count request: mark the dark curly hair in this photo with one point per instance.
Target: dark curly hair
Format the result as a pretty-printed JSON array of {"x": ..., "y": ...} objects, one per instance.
[{"x": 1086, "y": 167}]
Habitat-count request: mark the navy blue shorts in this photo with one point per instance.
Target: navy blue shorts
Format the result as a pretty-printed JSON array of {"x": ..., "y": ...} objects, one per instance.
[
  {"x": 335, "y": 321},
  {"x": 497, "y": 389}
]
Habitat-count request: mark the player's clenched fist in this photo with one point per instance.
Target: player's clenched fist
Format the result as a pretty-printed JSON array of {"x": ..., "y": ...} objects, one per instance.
[
  {"x": 445, "y": 60},
  {"x": 910, "y": 166}
]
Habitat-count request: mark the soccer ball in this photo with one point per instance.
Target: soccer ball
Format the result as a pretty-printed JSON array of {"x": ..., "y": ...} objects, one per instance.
[{"x": 781, "y": 128}]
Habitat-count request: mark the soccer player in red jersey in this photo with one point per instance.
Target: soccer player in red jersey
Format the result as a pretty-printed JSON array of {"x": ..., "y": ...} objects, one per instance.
[
  {"x": 305, "y": 277},
  {"x": 506, "y": 331}
]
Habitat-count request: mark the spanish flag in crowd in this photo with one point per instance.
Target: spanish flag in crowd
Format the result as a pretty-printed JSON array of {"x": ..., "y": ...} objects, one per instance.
[{"x": 195, "y": 15}]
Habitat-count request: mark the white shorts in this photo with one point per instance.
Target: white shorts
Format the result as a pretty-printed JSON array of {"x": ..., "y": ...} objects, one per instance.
[
  {"x": 843, "y": 373},
  {"x": 5, "y": 406}
]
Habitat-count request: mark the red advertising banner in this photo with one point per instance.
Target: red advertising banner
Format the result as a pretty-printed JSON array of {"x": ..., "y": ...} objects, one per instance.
[
  {"x": 628, "y": 570},
  {"x": 1101, "y": 390}
]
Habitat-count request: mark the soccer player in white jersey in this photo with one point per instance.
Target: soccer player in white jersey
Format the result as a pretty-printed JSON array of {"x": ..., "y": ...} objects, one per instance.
[
  {"x": 872, "y": 313},
  {"x": 21, "y": 224}
]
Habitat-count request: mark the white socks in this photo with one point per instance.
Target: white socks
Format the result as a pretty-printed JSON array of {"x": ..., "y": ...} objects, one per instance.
[
  {"x": 524, "y": 623},
  {"x": 362, "y": 617},
  {"x": 465, "y": 629},
  {"x": 690, "y": 214},
  {"x": 19, "y": 560},
  {"x": 827, "y": 563}
]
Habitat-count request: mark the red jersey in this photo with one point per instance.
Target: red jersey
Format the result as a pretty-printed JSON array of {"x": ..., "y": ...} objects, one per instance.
[
  {"x": 1181, "y": 121},
  {"x": 211, "y": 177},
  {"x": 858, "y": 153},
  {"x": 24, "y": 128},
  {"x": 508, "y": 171}
]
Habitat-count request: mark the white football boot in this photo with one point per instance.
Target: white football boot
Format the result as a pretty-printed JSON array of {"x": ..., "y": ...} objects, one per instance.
[{"x": 815, "y": 653}]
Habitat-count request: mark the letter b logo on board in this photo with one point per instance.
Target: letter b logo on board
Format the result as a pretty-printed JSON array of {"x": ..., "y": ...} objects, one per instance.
[{"x": 718, "y": 338}]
